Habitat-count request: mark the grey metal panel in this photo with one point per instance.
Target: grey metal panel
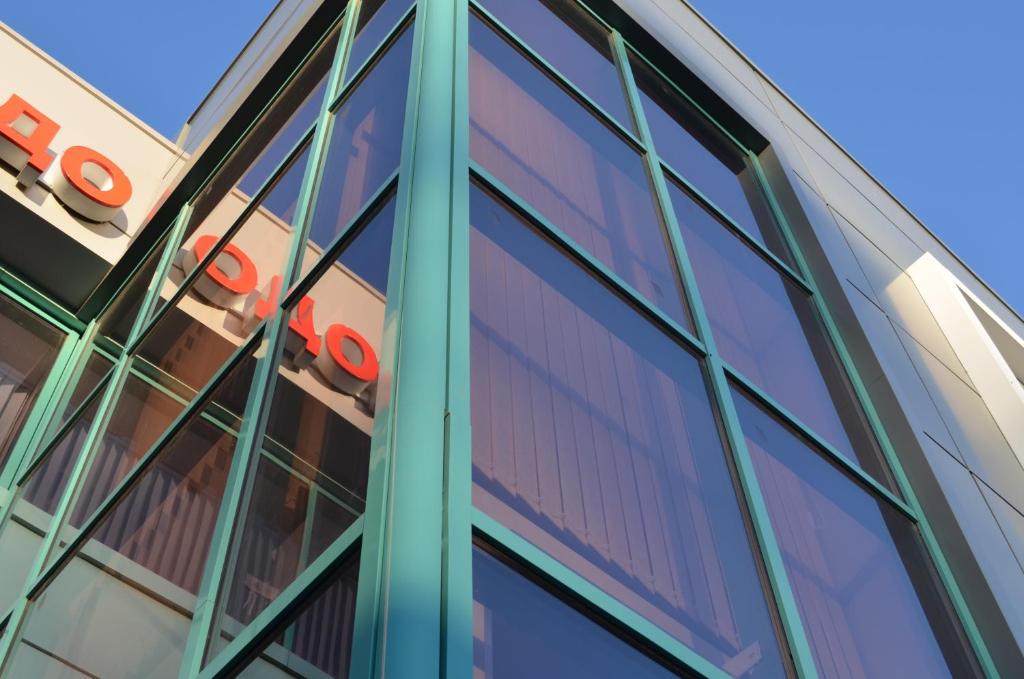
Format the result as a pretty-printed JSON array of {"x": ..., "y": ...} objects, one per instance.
[{"x": 1010, "y": 520}]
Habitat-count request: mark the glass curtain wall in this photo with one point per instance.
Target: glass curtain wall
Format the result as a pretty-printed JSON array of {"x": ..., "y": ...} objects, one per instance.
[{"x": 653, "y": 457}]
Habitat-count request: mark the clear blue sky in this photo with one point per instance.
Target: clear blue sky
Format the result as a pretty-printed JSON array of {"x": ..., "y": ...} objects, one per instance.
[{"x": 929, "y": 96}]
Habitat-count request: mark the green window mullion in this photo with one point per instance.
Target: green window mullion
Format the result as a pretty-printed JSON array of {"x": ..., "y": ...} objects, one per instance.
[
  {"x": 553, "y": 72},
  {"x": 37, "y": 574},
  {"x": 587, "y": 260},
  {"x": 457, "y": 536},
  {"x": 240, "y": 480},
  {"x": 800, "y": 650},
  {"x": 398, "y": 609},
  {"x": 902, "y": 480},
  {"x": 29, "y": 297}
]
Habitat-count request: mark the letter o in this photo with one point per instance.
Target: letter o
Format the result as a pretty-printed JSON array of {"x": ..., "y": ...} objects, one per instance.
[
  {"x": 91, "y": 184},
  {"x": 220, "y": 287},
  {"x": 350, "y": 363}
]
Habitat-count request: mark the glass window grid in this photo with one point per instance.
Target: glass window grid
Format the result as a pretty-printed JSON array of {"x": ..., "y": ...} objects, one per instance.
[{"x": 265, "y": 623}]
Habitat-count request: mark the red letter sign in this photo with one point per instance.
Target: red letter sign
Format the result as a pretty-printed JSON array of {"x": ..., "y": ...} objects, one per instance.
[
  {"x": 349, "y": 363},
  {"x": 91, "y": 184},
  {"x": 216, "y": 285},
  {"x": 25, "y": 136}
]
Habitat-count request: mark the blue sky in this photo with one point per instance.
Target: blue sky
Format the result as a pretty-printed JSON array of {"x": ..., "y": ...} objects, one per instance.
[{"x": 929, "y": 96}]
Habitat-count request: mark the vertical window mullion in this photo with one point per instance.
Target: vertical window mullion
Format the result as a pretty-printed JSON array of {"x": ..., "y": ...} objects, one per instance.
[
  {"x": 784, "y": 598},
  {"x": 211, "y": 600}
]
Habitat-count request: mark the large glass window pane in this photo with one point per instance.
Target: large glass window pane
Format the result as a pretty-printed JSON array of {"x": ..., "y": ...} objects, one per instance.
[
  {"x": 868, "y": 597},
  {"x": 309, "y": 484},
  {"x": 520, "y": 630},
  {"x": 28, "y": 349},
  {"x": 688, "y": 142},
  {"x": 144, "y": 561},
  {"x": 572, "y": 41},
  {"x": 376, "y": 18},
  {"x": 543, "y": 144},
  {"x": 365, "y": 147},
  {"x": 768, "y": 329},
  {"x": 594, "y": 438}
]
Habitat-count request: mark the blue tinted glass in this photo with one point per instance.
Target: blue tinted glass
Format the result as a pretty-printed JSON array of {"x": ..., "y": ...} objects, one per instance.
[
  {"x": 520, "y": 630},
  {"x": 866, "y": 593},
  {"x": 594, "y": 438},
  {"x": 376, "y": 18}
]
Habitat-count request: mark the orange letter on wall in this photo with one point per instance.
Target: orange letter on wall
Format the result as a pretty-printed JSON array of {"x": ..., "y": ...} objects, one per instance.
[
  {"x": 25, "y": 136},
  {"x": 225, "y": 289},
  {"x": 350, "y": 363},
  {"x": 91, "y": 184}
]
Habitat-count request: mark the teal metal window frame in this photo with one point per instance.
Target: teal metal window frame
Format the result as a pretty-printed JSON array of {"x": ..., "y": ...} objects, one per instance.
[{"x": 415, "y": 538}]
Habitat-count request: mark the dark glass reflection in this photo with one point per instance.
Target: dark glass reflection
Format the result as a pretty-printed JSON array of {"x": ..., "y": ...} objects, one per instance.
[
  {"x": 552, "y": 152},
  {"x": 768, "y": 329},
  {"x": 28, "y": 349},
  {"x": 520, "y": 630},
  {"x": 365, "y": 148},
  {"x": 96, "y": 368},
  {"x": 688, "y": 142},
  {"x": 867, "y": 594},
  {"x": 594, "y": 438},
  {"x": 572, "y": 41}
]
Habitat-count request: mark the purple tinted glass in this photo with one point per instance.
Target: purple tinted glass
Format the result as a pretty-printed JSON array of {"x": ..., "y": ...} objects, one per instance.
[
  {"x": 593, "y": 437},
  {"x": 569, "y": 39},
  {"x": 541, "y": 142},
  {"x": 376, "y": 18},
  {"x": 867, "y": 595},
  {"x": 768, "y": 329}
]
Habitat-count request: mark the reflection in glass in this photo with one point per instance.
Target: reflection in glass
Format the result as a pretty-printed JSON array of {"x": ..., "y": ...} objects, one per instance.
[
  {"x": 96, "y": 368},
  {"x": 594, "y": 438},
  {"x": 309, "y": 483},
  {"x": 144, "y": 561},
  {"x": 688, "y": 142},
  {"x": 317, "y": 642},
  {"x": 226, "y": 303},
  {"x": 768, "y": 329},
  {"x": 554, "y": 154},
  {"x": 572, "y": 41},
  {"x": 365, "y": 148},
  {"x": 27, "y": 353},
  {"x": 376, "y": 18},
  {"x": 867, "y": 595},
  {"x": 520, "y": 630}
]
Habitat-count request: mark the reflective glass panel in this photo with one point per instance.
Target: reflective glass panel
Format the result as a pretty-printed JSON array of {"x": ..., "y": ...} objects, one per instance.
[
  {"x": 365, "y": 147},
  {"x": 768, "y": 329},
  {"x": 96, "y": 368},
  {"x": 310, "y": 483},
  {"x": 688, "y": 142},
  {"x": 143, "y": 561},
  {"x": 521, "y": 630},
  {"x": 376, "y": 18},
  {"x": 572, "y": 41},
  {"x": 28, "y": 349},
  {"x": 594, "y": 438},
  {"x": 544, "y": 145},
  {"x": 318, "y": 641},
  {"x": 867, "y": 595}
]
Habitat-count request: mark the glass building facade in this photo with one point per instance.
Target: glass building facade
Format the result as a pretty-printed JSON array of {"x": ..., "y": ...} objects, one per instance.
[{"x": 486, "y": 350}]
